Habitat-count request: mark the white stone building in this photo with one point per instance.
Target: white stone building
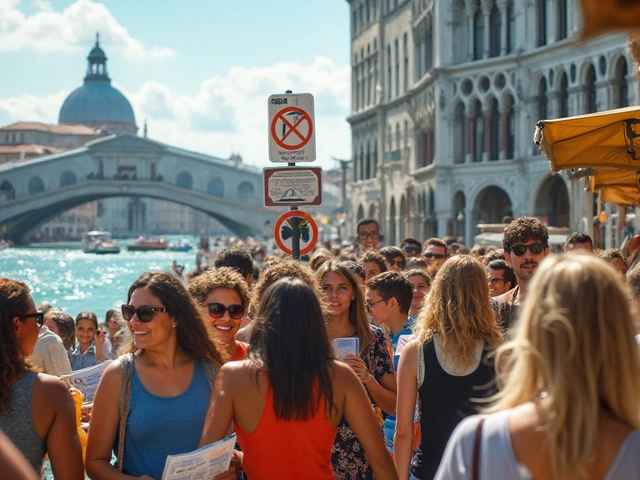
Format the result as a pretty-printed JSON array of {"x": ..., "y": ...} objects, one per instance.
[{"x": 445, "y": 98}]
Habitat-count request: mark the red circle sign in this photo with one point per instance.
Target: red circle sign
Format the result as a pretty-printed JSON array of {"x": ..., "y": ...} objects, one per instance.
[
  {"x": 292, "y": 128},
  {"x": 278, "y": 235}
]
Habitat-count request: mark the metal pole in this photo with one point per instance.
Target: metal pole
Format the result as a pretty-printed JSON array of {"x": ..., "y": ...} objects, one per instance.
[{"x": 293, "y": 221}]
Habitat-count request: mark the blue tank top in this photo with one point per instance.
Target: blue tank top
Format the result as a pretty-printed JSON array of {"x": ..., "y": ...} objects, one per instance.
[{"x": 158, "y": 426}]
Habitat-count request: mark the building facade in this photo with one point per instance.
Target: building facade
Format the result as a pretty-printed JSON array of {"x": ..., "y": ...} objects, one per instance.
[{"x": 446, "y": 95}]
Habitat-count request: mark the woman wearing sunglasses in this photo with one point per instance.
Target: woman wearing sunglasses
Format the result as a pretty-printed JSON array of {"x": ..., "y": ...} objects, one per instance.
[
  {"x": 153, "y": 401},
  {"x": 222, "y": 295},
  {"x": 36, "y": 410},
  {"x": 373, "y": 365},
  {"x": 288, "y": 397},
  {"x": 453, "y": 337}
]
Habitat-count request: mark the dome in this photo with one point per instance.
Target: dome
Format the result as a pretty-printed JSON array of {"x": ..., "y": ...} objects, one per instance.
[{"x": 97, "y": 104}]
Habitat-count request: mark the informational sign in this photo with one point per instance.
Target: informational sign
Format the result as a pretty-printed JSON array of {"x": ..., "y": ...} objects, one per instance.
[
  {"x": 286, "y": 186},
  {"x": 291, "y": 128},
  {"x": 307, "y": 232}
]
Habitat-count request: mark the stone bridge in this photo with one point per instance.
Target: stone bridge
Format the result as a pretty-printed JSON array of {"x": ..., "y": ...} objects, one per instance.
[{"x": 34, "y": 191}]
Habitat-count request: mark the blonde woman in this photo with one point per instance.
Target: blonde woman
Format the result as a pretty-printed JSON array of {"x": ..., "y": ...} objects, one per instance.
[
  {"x": 448, "y": 363},
  {"x": 569, "y": 407}
]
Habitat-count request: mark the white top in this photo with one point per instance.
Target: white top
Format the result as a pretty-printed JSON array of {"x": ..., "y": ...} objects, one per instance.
[{"x": 498, "y": 460}]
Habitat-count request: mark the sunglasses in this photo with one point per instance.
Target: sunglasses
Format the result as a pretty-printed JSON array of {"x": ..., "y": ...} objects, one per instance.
[
  {"x": 534, "y": 248},
  {"x": 39, "y": 316},
  {"x": 145, "y": 314},
  {"x": 216, "y": 310},
  {"x": 410, "y": 249},
  {"x": 399, "y": 263},
  {"x": 372, "y": 236},
  {"x": 494, "y": 280},
  {"x": 437, "y": 256}
]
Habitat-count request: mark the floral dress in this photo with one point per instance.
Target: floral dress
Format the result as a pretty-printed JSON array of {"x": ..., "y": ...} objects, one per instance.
[{"x": 347, "y": 456}]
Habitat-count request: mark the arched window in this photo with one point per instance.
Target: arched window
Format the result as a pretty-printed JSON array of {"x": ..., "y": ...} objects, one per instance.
[
  {"x": 590, "y": 90},
  {"x": 396, "y": 51},
  {"x": 216, "y": 187},
  {"x": 511, "y": 134},
  {"x": 561, "y": 19},
  {"x": 389, "y": 70},
  {"x": 246, "y": 193},
  {"x": 542, "y": 22},
  {"x": 361, "y": 163},
  {"x": 67, "y": 178},
  {"x": 620, "y": 81},
  {"x": 374, "y": 167},
  {"x": 460, "y": 133},
  {"x": 405, "y": 66},
  {"x": 543, "y": 111},
  {"x": 563, "y": 97},
  {"x": 370, "y": 158},
  {"x": 428, "y": 45},
  {"x": 184, "y": 180},
  {"x": 7, "y": 192},
  {"x": 495, "y": 37},
  {"x": 511, "y": 29},
  {"x": 36, "y": 185},
  {"x": 478, "y": 35}
]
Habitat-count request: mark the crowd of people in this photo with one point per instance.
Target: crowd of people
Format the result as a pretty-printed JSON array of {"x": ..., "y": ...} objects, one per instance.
[{"x": 464, "y": 364}]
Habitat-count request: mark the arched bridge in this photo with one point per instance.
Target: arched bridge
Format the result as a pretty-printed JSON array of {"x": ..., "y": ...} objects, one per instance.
[{"x": 34, "y": 191}]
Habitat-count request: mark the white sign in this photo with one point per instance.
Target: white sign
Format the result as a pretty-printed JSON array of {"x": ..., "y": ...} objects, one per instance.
[
  {"x": 292, "y": 186},
  {"x": 292, "y": 136}
]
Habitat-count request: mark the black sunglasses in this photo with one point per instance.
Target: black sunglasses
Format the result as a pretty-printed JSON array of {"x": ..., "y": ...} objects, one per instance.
[
  {"x": 410, "y": 249},
  {"x": 216, "y": 310},
  {"x": 39, "y": 316},
  {"x": 399, "y": 263},
  {"x": 534, "y": 248},
  {"x": 145, "y": 314},
  {"x": 437, "y": 256}
]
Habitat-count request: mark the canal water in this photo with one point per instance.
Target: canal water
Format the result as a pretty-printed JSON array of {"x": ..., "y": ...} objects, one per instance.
[{"x": 76, "y": 281}]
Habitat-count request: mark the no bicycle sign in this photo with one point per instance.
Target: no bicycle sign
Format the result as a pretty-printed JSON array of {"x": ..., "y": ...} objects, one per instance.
[{"x": 291, "y": 128}]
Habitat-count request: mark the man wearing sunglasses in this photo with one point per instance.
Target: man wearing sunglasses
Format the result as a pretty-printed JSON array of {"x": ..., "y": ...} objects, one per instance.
[
  {"x": 435, "y": 251},
  {"x": 411, "y": 248},
  {"x": 526, "y": 244}
]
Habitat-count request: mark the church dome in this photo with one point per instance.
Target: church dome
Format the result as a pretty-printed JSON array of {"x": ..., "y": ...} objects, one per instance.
[{"x": 96, "y": 103}]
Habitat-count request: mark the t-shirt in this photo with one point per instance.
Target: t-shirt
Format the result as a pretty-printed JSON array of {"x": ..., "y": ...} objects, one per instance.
[
  {"x": 241, "y": 351},
  {"x": 498, "y": 460}
]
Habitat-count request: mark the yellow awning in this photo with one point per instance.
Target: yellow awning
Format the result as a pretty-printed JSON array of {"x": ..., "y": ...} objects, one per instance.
[{"x": 603, "y": 139}]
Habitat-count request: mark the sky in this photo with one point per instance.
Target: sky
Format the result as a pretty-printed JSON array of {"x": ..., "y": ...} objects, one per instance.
[{"x": 199, "y": 71}]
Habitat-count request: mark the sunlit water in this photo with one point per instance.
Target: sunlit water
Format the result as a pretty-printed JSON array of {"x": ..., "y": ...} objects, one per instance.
[{"x": 76, "y": 281}]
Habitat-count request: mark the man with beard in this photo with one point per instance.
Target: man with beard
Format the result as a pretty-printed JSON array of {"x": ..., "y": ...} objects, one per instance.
[{"x": 526, "y": 243}]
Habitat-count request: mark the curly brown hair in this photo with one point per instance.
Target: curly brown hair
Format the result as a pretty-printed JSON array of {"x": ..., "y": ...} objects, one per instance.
[
  {"x": 14, "y": 302},
  {"x": 373, "y": 256},
  {"x": 523, "y": 229},
  {"x": 222, "y": 277},
  {"x": 193, "y": 336},
  {"x": 285, "y": 268}
]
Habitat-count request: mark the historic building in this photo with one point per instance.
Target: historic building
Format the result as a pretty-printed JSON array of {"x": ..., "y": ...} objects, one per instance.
[{"x": 445, "y": 98}]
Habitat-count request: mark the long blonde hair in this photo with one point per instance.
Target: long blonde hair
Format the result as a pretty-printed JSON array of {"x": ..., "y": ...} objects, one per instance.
[
  {"x": 573, "y": 353},
  {"x": 458, "y": 310}
]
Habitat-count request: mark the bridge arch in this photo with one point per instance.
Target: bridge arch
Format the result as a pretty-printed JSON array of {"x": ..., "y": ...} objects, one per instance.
[
  {"x": 67, "y": 178},
  {"x": 7, "y": 192},
  {"x": 246, "y": 193},
  {"x": 36, "y": 185},
  {"x": 216, "y": 187},
  {"x": 184, "y": 180}
]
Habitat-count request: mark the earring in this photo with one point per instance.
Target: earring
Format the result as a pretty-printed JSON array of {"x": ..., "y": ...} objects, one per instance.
[{"x": 174, "y": 325}]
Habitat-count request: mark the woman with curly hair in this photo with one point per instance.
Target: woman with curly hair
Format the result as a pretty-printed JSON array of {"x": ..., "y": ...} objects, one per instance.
[
  {"x": 222, "y": 296},
  {"x": 569, "y": 403},
  {"x": 347, "y": 317},
  {"x": 36, "y": 410},
  {"x": 447, "y": 364},
  {"x": 153, "y": 401}
]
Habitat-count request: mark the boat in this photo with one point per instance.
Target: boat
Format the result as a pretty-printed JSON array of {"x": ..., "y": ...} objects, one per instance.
[
  {"x": 99, "y": 243},
  {"x": 144, "y": 244},
  {"x": 184, "y": 245}
]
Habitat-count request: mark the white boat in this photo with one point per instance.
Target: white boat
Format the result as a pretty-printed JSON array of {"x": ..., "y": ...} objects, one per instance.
[{"x": 99, "y": 243}]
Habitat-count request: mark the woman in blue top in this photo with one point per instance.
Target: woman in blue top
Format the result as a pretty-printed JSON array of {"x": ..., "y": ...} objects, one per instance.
[{"x": 166, "y": 380}]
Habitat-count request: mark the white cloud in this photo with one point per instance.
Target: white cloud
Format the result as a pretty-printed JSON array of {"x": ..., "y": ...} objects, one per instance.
[
  {"x": 228, "y": 114},
  {"x": 70, "y": 30}
]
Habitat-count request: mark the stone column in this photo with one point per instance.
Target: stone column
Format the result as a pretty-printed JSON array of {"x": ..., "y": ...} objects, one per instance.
[
  {"x": 470, "y": 119},
  {"x": 486, "y": 13},
  {"x": 469, "y": 226},
  {"x": 504, "y": 132},
  {"x": 486, "y": 153},
  {"x": 470, "y": 9},
  {"x": 504, "y": 38}
]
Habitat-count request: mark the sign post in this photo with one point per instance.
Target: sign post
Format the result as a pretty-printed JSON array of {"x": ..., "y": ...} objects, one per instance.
[{"x": 292, "y": 139}]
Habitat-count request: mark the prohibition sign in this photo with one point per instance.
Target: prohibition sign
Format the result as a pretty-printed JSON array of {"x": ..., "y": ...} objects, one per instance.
[
  {"x": 292, "y": 128},
  {"x": 305, "y": 219}
]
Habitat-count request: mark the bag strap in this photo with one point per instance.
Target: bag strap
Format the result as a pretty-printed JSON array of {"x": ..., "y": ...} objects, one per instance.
[
  {"x": 126, "y": 363},
  {"x": 211, "y": 371},
  {"x": 475, "y": 469}
]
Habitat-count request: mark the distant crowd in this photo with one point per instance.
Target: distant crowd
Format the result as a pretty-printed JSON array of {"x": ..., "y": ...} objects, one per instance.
[{"x": 423, "y": 360}]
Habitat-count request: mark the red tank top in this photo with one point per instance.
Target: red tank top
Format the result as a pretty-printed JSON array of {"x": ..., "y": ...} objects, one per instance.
[{"x": 287, "y": 449}]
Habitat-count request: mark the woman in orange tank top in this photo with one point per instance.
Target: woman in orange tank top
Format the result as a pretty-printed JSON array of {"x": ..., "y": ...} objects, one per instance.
[{"x": 287, "y": 398}]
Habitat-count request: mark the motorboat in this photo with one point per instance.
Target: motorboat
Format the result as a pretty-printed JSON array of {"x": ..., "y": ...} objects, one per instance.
[
  {"x": 99, "y": 243},
  {"x": 144, "y": 244},
  {"x": 184, "y": 245}
]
